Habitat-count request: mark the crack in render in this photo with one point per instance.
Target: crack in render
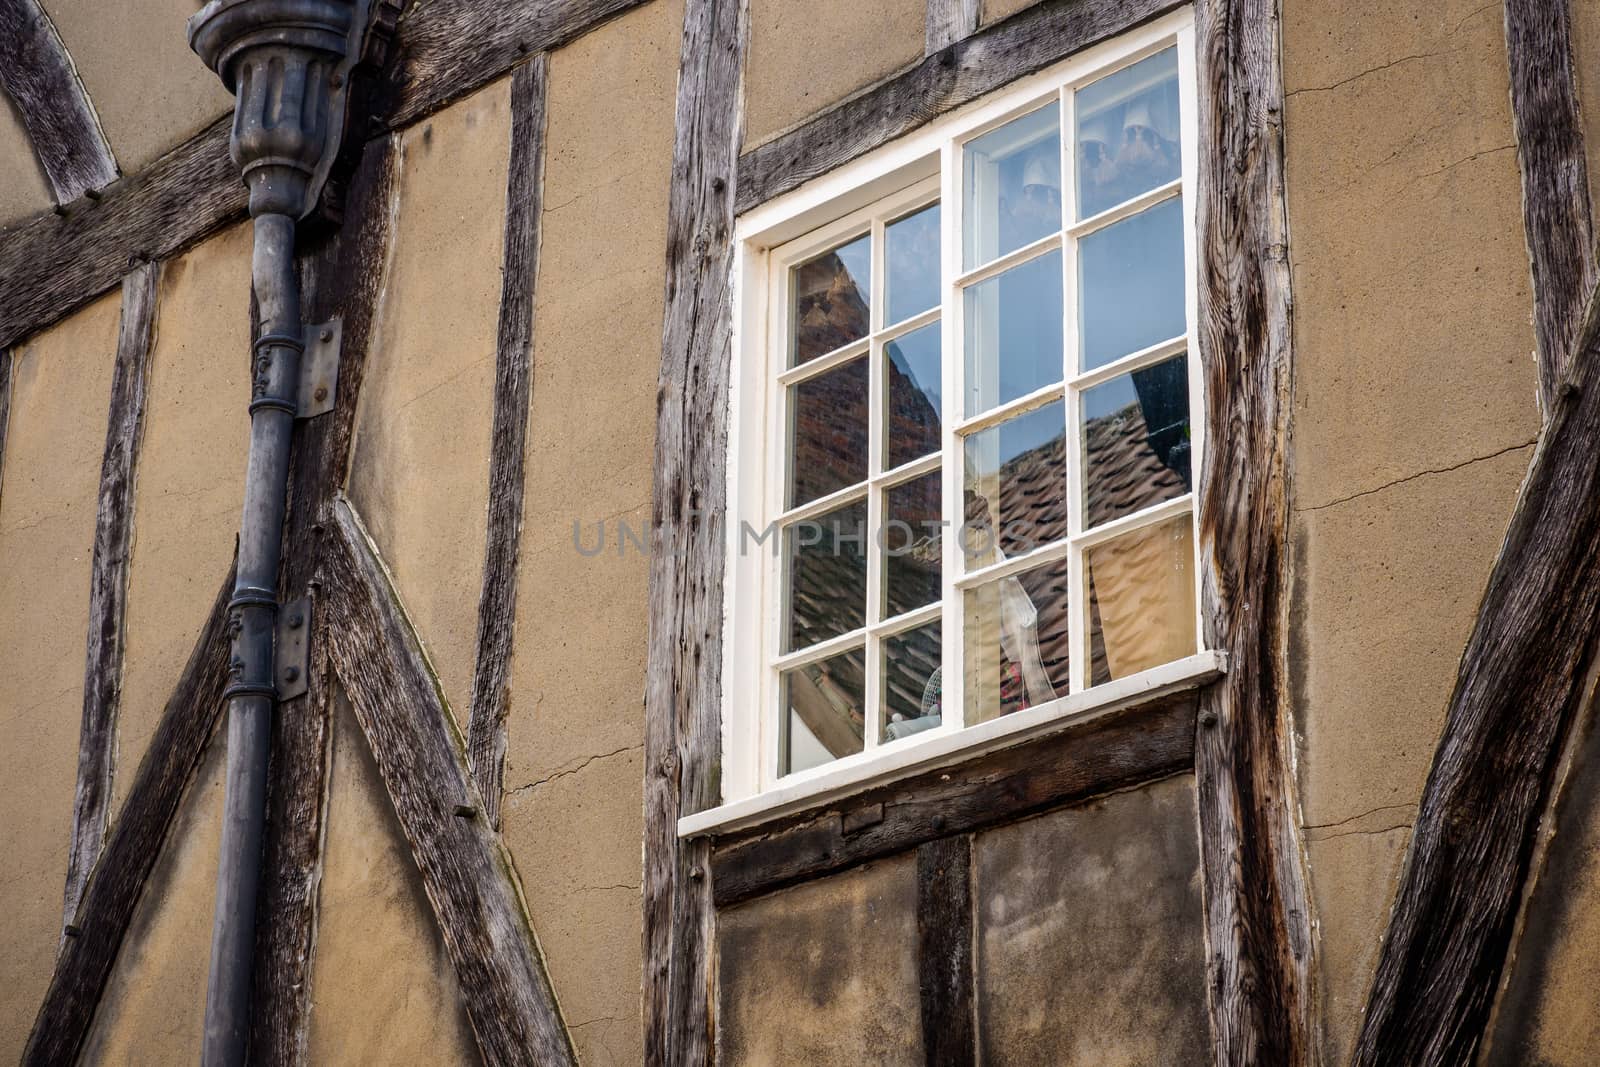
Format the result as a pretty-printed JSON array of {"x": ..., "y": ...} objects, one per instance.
[
  {"x": 1362, "y": 833},
  {"x": 564, "y": 772},
  {"x": 1421, "y": 474},
  {"x": 1372, "y": 70},
  {"x": 1353, "y": 818}
]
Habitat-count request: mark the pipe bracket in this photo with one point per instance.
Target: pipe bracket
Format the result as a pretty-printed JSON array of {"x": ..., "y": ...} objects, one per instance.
[
  {"x": 319, "y": 369},
  {"x": 293, "y": 655}
]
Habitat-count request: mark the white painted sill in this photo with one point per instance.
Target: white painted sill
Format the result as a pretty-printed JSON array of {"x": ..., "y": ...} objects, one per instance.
[{"x": 858, "y": 773}]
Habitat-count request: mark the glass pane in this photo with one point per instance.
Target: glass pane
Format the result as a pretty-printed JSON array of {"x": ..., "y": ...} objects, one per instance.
[
  {"x": 827, "y": 568},
  {"x": 912, "y": 248},
  {"x": 913, "y": 372},
  {"x": 913, "y": 698},
  {"x": 1012, "y": 185},
  {"x": 1016, "y": 487},
  {"x": 831, "y": 302},
  {"x": 828, "y": 432},
  {"x": 1141, "y": 600},
  {"x": 1017, "y": 641},
  {"x": 1013, "y": 333},
  {"x": 911, "y": 538},
  {"x": 1128, "y": 141},
  {"x": 824, "y": 711},
  {"x": 1136, "y": 441},
  {"x": 1131, "y": 279}
]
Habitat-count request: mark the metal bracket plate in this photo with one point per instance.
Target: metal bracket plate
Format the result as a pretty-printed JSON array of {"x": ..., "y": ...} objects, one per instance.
[
  {"x": 319, "y": 369},
  {"x": 293, "y": 653}
]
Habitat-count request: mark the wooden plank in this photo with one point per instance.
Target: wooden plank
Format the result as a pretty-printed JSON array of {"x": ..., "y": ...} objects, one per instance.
[
  {"x": 50, "y": 265},
  {"x": 682, "y": 707},
  {"x": 5, "y": 408},
  {"x": 342, "y": 277},
  {"x": 513, "y": 388},
  {"x": 466, "y": 872},
  {"x": 136, "y": 839},
  {"x": 1523, "y": 678},
  {"x": 108, "y": 579},
  {"x": 945, "y": 922},
  {"x": 949, "y": 21},
  {"x": 1081, "y": 760},
  {"x": 942, "y": 82},
  {"x": 1258, "y": 933},
  {"x": 38, "y": 76}
]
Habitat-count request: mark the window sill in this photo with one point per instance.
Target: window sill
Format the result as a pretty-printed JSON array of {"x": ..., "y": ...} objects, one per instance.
[{"x": 903, "y": 760}]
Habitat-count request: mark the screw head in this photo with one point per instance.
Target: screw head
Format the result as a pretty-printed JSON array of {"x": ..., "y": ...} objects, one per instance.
[
  {"x": 296, "y": 621},
  {"x": 292, "y": 674},
  {"x": 321, "y": 394},
  {"x": 326, "y": 334}
]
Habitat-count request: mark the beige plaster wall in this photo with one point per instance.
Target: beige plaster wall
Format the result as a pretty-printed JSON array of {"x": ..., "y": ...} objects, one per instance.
[
  {"x": 383, "y": 989},
  {"x": 993, "y": 11},
  {"x": 190, "y": 480},
  {"x": 420, "y": 474},
  {"x": 1412, "y": 419},
  {"x": 805, "y": 57},
  {"x": 61, "y": 387},
  {"x": 24, "y": 190},
  {"x": 133, "y": 58},
  {"x": 1586, "y": 69},
  {"x": 574, "y": 769}
]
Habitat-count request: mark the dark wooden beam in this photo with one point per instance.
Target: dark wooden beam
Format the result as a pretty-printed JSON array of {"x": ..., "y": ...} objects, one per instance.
[
  {"x": 682, "y": 705},
  {"x": 1522, "y": 679},
  {"x": 513, "y": 388},
  {"x": 942, "y": 82},
  {"x": 949, "y": 21},
  {"x": 108, "y": 579},
  {"x": 945, "y": 923},
  {"x": 130, "y": 852},
  {"x": 1080, "y": 760},
  {"x": 1258, "y": 928},
  {"x": 38, "y": 76},
  {"x": 5, "y": 408},
  {"x": 465, "y": 869},
  {"x": 341, "y": 277}
]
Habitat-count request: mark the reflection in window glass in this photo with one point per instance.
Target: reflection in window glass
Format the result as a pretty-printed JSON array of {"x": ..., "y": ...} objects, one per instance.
[
  {"x": 1013, "y": 333},
  {"x": 1016, "y": 487},
  {"x": 1141, "y": 600},
  {"x": 826, "y": 562},
  {"x": 911, "y": 538},
  {"x": 1128, "y": 141},
  {"x": 1131, "y": 281},
  {"x": 912, "y": 371},
  {"x": 828, "y": 432},
  {"x": 913, "y": 697},
  {"x": 1136, "y": 441},
  {"x": 832, "y": 300},
  {"x": 911, "y": 247},
  {"x": 1012, "y": 186},
  {"x": 1017, "y": 643},
  {"x": 823, "y": 711}
]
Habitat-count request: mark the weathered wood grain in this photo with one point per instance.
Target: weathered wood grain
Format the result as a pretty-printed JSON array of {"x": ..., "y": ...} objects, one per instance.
[
  {"x": 466, "y": 872},
  {"x": 1257, "y": 911},
  {"x": 513, "y": 388},
  {"x": 1522, "y": 679},
  {"x": 945, "y": 922},
  {"x": 341, "y": 277},
  {"x": 108, "y": 579},
  {"x": 1136, "y": 744},
  {"x": 682, "y": 705},
  {"x": 949, "y": 21},
  {"x": 5, "y": 409},
  {"x": 131, "y": 849},
  {"x": 38, "y": 76},
  {"x": 942, "y": 82}
]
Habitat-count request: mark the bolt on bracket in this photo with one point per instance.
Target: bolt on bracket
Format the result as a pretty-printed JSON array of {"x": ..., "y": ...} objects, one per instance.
[
  {"x": 293, "y": 655},
  {"x": 319, "y": 369}
]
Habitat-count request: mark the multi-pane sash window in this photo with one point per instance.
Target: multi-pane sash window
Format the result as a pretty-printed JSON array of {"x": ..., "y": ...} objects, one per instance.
[{"x": 979, "y": 489}]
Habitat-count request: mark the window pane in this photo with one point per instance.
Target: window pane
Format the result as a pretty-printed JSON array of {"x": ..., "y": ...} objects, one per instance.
[
  {"x": 1016, "y": 487},
  {"x": 1131, "y": 280},
  {"x": 911, "y": 246},
  {"x": 1013, "y": 333},
  {"x": 913, "y": 697},
  {"x": 911, "y": 540},
  {"x": 824, "y": 711},
  {"x": 1128, "y": 139},
  {"x": 1141, "y": 606},
  {"x": 828, "y": 432},
  {"x": 1017, "y": 641},
  {"x": 1012, "y": 186},
  {"x": 1136, "y": 441},
  {"x": 831, "y": 300},
  {"x": 913, "y": 370},
  {"x": 827, "y": 567}
]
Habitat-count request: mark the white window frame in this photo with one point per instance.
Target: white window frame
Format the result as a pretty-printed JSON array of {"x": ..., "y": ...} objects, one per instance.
[{"x": 891, "y": 182}]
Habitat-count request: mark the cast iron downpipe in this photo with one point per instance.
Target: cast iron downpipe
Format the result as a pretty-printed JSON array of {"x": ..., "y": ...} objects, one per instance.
[{"x": 286, "y": 61}]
